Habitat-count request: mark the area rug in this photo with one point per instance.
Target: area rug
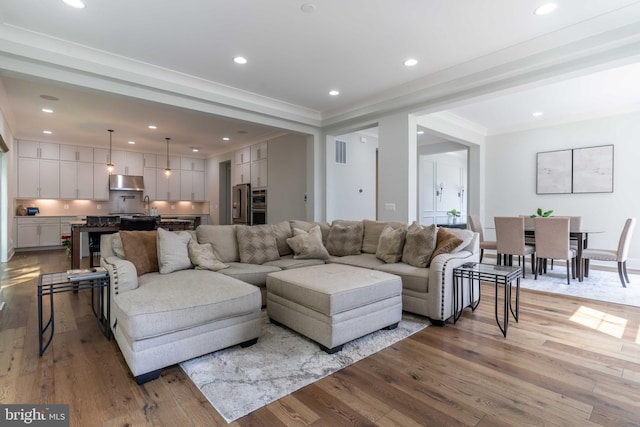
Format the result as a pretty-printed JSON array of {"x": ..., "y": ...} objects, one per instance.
[
  {"x": 239, "y": 380},
  {"x": 600, "y": 285}
]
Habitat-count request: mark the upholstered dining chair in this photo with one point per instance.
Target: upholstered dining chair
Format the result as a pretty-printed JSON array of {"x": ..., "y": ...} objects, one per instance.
[
  {"x": 476, "y": 226},
  {"x": 510, "y": 241},
  {"x": 620, "y": 255},
  {"x": 552, "y": 242}
]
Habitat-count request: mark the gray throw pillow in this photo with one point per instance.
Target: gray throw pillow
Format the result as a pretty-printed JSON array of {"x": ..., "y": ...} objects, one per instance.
[
  {"x": 203, "y": 257},
  {"x": 345, "y": 238},
  {"x": 257, "y": 244},
  {"x": 282, "y": 231},
  {"x": 308, "y": 245},
  {"x": 391, "y": 244},
  {"x": 173, "y": 254},
  {"x": 420, "y": 242}
]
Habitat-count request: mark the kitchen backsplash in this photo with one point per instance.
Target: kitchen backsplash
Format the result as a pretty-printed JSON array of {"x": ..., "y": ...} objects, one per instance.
[{"x": 119, "y": 202}]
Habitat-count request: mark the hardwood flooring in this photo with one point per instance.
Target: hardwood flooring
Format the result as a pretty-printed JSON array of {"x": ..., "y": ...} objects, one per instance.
[{"x": 568, "y": 362}]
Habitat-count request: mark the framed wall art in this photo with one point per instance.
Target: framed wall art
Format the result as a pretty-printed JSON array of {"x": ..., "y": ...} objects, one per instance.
[
  {"x": 554, "y": 172},
  {"x": 593, "y": 169}
]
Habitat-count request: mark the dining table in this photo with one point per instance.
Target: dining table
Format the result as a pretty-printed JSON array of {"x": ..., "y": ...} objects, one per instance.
[{"x": 581, "y": 237}]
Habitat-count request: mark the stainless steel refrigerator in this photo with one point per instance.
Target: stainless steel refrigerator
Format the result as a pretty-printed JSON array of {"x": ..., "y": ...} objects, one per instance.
[{"x": 241, "y": 204}]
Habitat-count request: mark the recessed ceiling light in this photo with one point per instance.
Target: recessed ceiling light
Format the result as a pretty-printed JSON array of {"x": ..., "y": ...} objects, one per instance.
[
  {"x": 47, "y": 110},
  {"x": 334, "y": 92},
  {"x": 152, "y": 127},
  {"x": 545, "y": 9},
  {"x": 537, "y": 114},
  {"x": 226, "y": 138},
  {"x": 195, "y": 150},
  {"x": 47, "y": 132},
  {"x": 410, "y": 62},
  {"x": 78, "y": 4},
  {"x": 132, "y": 142},
  {"x": 240, "y": 60},
  {"x": 420, "y": 132}
]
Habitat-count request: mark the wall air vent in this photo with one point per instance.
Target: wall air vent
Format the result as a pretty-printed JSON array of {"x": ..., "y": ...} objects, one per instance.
[{"x": 341, "y": 152}]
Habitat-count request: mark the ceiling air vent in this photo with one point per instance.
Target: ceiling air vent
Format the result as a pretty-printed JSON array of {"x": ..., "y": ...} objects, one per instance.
[{"x": 341, "y": 152}]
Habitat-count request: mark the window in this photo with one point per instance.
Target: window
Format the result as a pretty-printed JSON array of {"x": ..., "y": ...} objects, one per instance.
[{"x": 341, "y": 152}]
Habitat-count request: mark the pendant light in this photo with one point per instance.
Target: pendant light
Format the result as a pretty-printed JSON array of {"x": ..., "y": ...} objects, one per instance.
[
  {"x": 110, "y": 166},
  {"x": 167, "y": 170}
]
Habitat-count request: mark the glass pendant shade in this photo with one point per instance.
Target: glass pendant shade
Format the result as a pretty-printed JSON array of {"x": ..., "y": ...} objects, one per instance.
[
  {"x": 110, "y": 166},
  {"x": 167, "y": 170}
]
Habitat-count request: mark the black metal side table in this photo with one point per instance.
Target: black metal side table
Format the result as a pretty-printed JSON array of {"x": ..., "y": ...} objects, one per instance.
[
  {"x": 55, "y": 283},
  {"x": 499, "y": 275}
]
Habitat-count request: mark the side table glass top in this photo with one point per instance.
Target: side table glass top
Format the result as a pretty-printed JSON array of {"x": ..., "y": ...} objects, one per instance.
[{"x": 497, "y": 270}]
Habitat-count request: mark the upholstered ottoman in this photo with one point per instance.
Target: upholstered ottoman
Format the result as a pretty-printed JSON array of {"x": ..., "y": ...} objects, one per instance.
[{"x": 333, "y": 304}]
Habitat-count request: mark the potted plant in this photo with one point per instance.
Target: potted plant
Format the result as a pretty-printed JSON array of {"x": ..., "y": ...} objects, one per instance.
[
  {"x": 66, "y": 242},
  {"x": 453, "y": 215},
  {"x": 544, "y": 214}
]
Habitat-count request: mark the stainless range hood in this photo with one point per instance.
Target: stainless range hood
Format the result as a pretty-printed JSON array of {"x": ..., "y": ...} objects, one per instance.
[{"x": 126, "y": 182}]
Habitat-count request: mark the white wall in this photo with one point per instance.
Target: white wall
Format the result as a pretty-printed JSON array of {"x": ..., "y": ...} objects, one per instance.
[
  {"x": 351, "y": 187},
  {"x": 511, "y": 177},
  {"x": 7, "y": 191}
]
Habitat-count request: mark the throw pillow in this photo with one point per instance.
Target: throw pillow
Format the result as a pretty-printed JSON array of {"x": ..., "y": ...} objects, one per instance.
[
  {"x": 306, "y": 226},
  {"x": 257, "y": 244},
  {"x": 116, "y": 245},
  {"x": 345, "y": 238},
  {"x": 203, "y": 258},
  {"x": 282, "y": 231},
  {"x": 391, "y": 244},
  {"x": 372, "y": 231},
  {"x": 465, "y": 235},
  {"x": 420, "y": 242},
  {"x": 173, "y": 254},
  {"x": 308, "y": 245},
  {"x": 140, "y": 247},
  {"x": 447, "y": 242}
]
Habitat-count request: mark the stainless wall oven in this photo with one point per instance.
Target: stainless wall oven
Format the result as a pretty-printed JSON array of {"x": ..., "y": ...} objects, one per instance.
[{"x": 259, "y": 206}]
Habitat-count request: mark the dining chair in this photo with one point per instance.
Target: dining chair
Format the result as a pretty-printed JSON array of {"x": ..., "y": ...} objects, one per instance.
[
  {"x": 552, "y": 242},
  {"x": 620, "y": 255},
  {"x": 476, "y": 226},
  {"x": 529, "y": 238},
  {"x": 510, "y": 241}
]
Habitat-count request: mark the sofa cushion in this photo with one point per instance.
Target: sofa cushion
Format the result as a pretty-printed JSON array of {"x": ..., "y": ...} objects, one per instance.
[
  {"x": 391, "y": 244},
  {"x": 173, "y": 254},
  {"x": 372, "y": 231},
  {"x": 308, "y": 245},
  {"x": 306, "y": 226},
  {"x": 447, "y": 242},
  {"x": 116, "y": 245},
  {"x": 140, "y": 247},
  {"x": 184, "y": 299},
  {"x": 465, "y": 235},
  {"x": 345, "y": 238},
  {"x": 282, "y": 231},
  {"x": 361, "y": 260},
  {"x": 203, "y": 258},
  {"x": 257, "y": 244},
  {"x": 288, "y": 262},
  {"x": 420, "y": 242},
  {"x": 222, "y": 239},
  {"x": 413, "y": 278},
  {"x": 249, "y": 273}
]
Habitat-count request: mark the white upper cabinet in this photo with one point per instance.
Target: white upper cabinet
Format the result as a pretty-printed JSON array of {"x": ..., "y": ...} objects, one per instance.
[
  {"x": 243, "y": 156},
  {"x": 100, "y": 155},
  {"x": 38, "y": 178},
  {"x": 150, "y": 160},
  {"x": 150, "y": 182},
  {"x": 39, "y": 150},
  {"x": 259, "y": 152},
  {"x": 174, "y": 162},
  {"x": 100, "y": 182},
  {"x": 191, "y": 164},
  {"x": 77, "y": 154},
  {"x": 192, "y": 185},
  {"x": 127, "y": 163},
  {"x": 76, "y": 180}
]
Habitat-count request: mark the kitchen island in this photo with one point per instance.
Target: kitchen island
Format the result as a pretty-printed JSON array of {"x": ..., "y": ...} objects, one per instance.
[{"x": 78, "y": 227}]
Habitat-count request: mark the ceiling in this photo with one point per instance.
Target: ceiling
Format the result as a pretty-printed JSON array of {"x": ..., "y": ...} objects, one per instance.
[{"x": 124, "y": 65}]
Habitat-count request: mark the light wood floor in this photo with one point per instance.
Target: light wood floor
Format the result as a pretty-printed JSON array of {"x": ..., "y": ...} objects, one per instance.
[{"x": 568, "y": 362}]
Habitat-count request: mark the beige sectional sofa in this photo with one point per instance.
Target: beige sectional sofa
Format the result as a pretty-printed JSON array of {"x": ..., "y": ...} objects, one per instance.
[{"x": 169, "y": 312}]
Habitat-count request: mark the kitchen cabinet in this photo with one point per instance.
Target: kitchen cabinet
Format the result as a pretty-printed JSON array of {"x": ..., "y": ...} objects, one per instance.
[
  {"x": 38, "y": 178},
  {"x": 192, "y": 185},
  {"x": 127, "y": 163},
  {"x": 241, "y": 174},
  {"x": 174, "y": 162},
  {"x": 34, "y": 232},
  {"x": 39, "y": 150},
  {"x": 259, "y": 152},
  {"x": 192, "y": 164},
  {"x": 76, "y": 180},
  {"x": 150, "y": 182},
  {"x": 150, "y": 160},
  {"x": 100, "y": 155},
  {"x": 77, "y": 154},
  {"x": 243, "y": 156},
  {"x": 100, "y": 182},
  {"x": 167, "y": 187},
  {"x": 259, "y": 173}
]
